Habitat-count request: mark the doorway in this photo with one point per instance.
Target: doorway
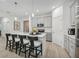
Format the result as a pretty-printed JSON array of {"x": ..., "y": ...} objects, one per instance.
[{"x": 26, "y": 26}]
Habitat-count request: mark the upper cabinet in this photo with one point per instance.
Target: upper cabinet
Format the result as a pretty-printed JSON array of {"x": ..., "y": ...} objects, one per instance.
[
  {"x": 45, "y": 20},
  {"x": 72, "y": 13},
  {"x": 77, "y": 8}
]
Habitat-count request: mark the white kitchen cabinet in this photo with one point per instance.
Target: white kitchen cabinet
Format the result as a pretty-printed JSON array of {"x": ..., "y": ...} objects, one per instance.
[
  {"x": 68, "y": 40},
  {"x": 46, "y": 20},
  {"x": 66, "y": 43},
  {"x": 72, "y": 13},
  {"x": 72, "y": 47},
  {"x": 72, "y": 50},
  {"x": 77, "y": 7},
  {"x": 77, "y": 29},
  {"x": 69, "y": 44}
]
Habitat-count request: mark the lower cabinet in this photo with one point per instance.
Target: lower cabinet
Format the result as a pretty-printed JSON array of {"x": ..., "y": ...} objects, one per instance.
[
  {"x": 66, "y": 43},
  {"x": 70, "y": 46},
  {"x": 72, "y": 50}
]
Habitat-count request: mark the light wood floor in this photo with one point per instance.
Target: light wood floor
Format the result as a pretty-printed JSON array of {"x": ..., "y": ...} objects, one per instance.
[
  {"x": 52, "y": 51},
  {"x": 55, "y": 51}
]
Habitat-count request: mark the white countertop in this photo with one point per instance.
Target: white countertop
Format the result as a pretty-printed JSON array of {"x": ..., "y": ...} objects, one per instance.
[
  {"x": 28, "y": 34},
  {"x": 71, "y": 36}
]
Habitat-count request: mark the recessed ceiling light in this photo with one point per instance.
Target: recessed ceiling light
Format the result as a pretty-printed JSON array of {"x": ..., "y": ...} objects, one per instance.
[
  {"x": 16, "y": 19},
  {"x": 37, "y": 10}
]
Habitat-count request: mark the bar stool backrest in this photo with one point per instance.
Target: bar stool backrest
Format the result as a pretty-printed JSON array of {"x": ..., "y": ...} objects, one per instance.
[
  {"x": 32, "y": 39},
  {"x": 14, "y": 36},
  {"x": 21, "y": 38},
  {"x": 7, "y": 36}
]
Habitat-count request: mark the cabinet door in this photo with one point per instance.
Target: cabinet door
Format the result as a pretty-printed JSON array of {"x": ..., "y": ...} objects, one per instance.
[
  {"x": 67, "y": 44},
  {"x": 72, "y": 49},
  {"x": 65, "y": 41},
  {"x": 72, "y": 13}
]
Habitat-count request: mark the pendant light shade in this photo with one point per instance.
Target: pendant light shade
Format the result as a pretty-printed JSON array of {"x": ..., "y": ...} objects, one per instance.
[
  {"x": 32, "y": 8},
  {"x": 33, "y": 15}
]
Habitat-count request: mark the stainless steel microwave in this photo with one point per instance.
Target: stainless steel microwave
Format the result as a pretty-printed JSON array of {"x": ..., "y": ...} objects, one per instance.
[{"x": 40, "y": 25}]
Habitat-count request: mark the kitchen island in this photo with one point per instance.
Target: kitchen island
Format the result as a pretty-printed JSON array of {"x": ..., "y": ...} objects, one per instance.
[{"x": 41, "y": 38}]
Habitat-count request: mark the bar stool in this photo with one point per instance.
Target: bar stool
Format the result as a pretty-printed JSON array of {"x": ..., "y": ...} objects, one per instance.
[
  {"x": 8, "y": 40},
  {"x": 35, "y": 46},
  {"x": 24, "y": 44},
  {"x": 15, "y": 43}
]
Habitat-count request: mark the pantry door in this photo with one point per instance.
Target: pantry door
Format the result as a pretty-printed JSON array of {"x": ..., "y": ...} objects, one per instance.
[{"x": 26, "y": 26}]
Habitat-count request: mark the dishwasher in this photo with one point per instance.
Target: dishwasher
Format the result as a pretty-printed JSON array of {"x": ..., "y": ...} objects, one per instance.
[{"x": 49, "y": 37}]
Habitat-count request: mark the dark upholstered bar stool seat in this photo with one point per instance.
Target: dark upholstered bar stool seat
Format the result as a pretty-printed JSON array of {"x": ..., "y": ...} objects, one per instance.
[
  {"x": 24, "y": 44},
  {"x": 35, "y": 47}
]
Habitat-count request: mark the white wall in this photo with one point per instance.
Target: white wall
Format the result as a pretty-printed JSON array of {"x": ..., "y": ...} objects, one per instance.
[{"x": 8, "y": 25}]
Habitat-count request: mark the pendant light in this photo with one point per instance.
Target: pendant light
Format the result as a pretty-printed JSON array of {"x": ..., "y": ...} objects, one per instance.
[
  {"x": 15, "y": 4},
  {"x": 33, "y": 15},
  {"x": 32, "y": 8}
]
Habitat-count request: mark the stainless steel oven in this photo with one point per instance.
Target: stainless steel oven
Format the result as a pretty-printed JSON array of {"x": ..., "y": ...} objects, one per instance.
[{"x": 71, "y": 31}]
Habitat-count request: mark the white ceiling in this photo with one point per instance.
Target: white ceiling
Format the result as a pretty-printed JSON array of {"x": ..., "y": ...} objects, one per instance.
[{"x": 26, "y": 6}]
